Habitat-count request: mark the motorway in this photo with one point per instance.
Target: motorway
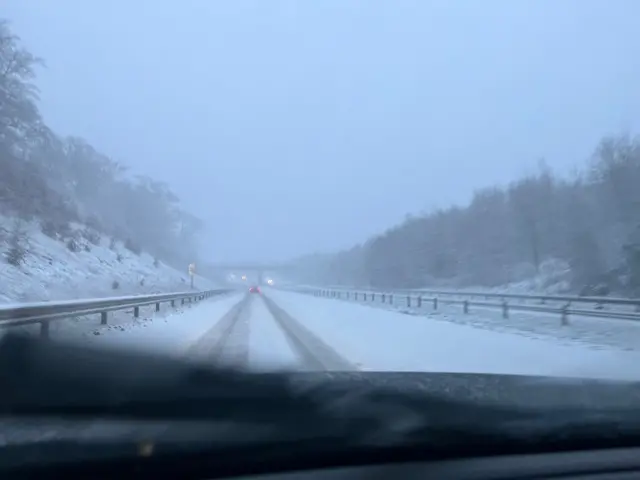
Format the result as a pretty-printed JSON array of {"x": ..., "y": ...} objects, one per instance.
[
  {"x": 282, "y": 330},
  {"x": 255, "y": 324}
]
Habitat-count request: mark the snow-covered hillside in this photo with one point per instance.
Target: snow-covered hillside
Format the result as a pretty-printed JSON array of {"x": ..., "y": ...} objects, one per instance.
[
  {"x": 52, "y": 271},
  {"x": 552, "y": 279}
]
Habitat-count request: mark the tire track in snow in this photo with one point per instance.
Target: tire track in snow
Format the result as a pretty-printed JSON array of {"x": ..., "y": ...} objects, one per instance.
[
  {"x": 314, "y": 354},
  {"x": 227, "y": 342}
]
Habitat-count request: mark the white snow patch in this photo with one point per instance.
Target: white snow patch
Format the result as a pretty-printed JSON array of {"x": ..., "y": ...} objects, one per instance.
[
  {"x": 52, "y": 272},
  {"x": 596, "y": 332},
  {"x": 268, "y": 346},
  {"x": 387, "y": 340},
  {"x": 553, "y": 278},
  {"x": 172, "y": 334}
]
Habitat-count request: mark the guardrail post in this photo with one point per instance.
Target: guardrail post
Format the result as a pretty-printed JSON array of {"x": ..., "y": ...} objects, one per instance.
[
  {"x": 157, "y": 307},
  {"x": 373, "y": 297},
  {"x": 465, "y": 306},
  {"x": 347, "y": 294},
  {"x": 419, "y": 301},
  {"x": 44, "y": 329},
  {"x": 355, "y": 295},
  {"x": 383, "y": 298},
  {"x": 136, "y": 311},
  {"x": 173, "y": 303},
  {"x": 435, "y": 303},
  {"x": 391, "y": 299},
  {"x": 182, "y": 301},
  {"x": 365, "y": 296},
  {"x": 564, "y": 314},
  {"x": 408, "y": 301},
  {"x": 505, "y": 309},
  {"x": 103, "y": 318}
]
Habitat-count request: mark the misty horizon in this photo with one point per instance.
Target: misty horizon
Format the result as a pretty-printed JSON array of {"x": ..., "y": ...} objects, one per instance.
[{"x": 294, "y": 128}]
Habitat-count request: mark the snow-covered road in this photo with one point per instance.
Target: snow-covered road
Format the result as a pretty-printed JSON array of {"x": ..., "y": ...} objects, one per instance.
[{"x": 305, "y": 333}]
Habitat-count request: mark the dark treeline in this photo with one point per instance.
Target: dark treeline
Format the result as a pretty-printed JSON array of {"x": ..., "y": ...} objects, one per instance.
[
  {"x": 58, "y": 180},
  {"x": 589, "y": 222}
]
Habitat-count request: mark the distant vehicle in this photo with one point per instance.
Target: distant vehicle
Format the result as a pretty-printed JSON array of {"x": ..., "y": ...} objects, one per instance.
[{"x": 254, "y": 289}]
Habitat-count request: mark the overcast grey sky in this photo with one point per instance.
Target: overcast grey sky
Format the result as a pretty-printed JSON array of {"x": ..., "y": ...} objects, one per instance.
[{"x": 295, "y": 126}]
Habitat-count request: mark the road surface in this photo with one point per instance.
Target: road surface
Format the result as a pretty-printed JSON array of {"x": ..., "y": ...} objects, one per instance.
[
  {"x": 291, "y": 331},
  {"x": 280, "y": 330}
]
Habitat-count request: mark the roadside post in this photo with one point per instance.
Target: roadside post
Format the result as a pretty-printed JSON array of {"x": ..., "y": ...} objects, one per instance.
[{"x": 192, "y": 272}]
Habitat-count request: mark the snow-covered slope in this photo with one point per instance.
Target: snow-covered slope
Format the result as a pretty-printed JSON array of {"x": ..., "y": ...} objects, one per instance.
[
  {"x": 51, "y": 271},
  {"x": 552, "y": 279}
]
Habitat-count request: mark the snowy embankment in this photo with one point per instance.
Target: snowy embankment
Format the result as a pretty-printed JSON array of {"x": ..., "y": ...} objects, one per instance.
[
  {"x": 51, "y": 270},
  {"x": 552, "y": 279}
]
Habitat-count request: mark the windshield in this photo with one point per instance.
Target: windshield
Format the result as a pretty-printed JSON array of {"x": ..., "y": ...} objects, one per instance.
[{"x": 357, "y": 186}]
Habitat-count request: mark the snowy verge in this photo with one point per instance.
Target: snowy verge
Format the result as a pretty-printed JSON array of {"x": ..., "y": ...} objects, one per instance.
[
  {"x": 170, "y": 331},
  {"x": 52, "y": 271},
  {"x": 378, "y": 339},
  {"x": 604, "y": 333},
  {"x": 553, "y": 278}
]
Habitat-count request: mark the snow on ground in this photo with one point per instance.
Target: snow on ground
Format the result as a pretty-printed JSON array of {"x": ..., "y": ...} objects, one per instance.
[
  {"x": 268, "y": 346},
  {"x": 552, "y": 279},
  {"x": 377, "y": 339},
  {"x": 381, "y": 339},
  {"x": 52, "y": 272},
  {"x": 171, "y": 334},
  {"x": 599, "y": 333}
]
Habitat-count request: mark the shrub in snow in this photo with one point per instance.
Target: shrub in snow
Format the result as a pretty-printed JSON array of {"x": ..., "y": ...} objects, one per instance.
[
  {"x": 72, "y": 245},
  {"x": 49, "y": 229},
  {"x": 119, "y": 257},
  {"x": 115, "y": 285},
  {"x": 17, "y": 245},
  {"x": 112, "y": 243},
  {"x": 156, "y": 262}
]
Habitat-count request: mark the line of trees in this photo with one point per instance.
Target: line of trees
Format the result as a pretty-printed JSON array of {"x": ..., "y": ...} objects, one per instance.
[
  {"x": 60, "y": 180},
  {"x": 590, "y": 222}
]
